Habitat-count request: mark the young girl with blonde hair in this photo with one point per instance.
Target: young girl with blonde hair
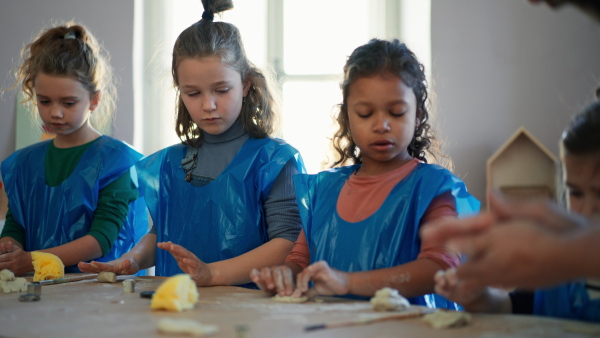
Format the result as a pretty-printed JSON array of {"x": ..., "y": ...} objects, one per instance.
[{"x": 72, "y": 196}]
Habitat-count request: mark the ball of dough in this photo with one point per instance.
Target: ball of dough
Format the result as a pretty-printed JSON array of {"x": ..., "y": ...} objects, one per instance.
[
  {"x": 46, "y": 266},
  {"x": 7, "y": 275},
  {"x": 388, "y": 299}
]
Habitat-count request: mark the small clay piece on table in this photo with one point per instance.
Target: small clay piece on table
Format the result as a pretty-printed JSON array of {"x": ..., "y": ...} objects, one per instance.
[
  {"x": 289, "y": 299},
  {"x": 107, "y": 277},
  {"x": 128, "y": 286}
]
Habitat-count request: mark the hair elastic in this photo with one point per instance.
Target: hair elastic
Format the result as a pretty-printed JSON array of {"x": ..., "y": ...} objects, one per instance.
[
  {"x": 69, "y": 35},
  {"x": 208, "y": 15}
]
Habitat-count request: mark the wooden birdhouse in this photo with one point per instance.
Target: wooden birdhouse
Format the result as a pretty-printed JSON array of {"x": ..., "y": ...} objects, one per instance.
[{"x": 523, "y": 169}]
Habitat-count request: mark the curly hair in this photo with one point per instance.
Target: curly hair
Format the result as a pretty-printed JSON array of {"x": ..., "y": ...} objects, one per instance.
[
  {"x": 208, "y": 38},
  {"x": 70, "y": 50},
  {"x": 386, "y": 57}
]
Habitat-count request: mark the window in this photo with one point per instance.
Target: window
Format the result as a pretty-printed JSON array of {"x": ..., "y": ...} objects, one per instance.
[{"x": 306, "y": 43}]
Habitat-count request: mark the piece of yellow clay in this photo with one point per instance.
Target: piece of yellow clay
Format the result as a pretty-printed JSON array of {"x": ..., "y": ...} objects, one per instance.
[
  {"x": 46, "y": 266},
  {"x": 177, "y": 293}
]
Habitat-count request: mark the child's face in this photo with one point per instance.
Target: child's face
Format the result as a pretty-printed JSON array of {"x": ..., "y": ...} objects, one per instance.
[
  {"x": 212, "y": 92},
  {"x": 583, "y": 183},
  {"x": 382, "y": 117},
  {"x": 64, "y": 104}
]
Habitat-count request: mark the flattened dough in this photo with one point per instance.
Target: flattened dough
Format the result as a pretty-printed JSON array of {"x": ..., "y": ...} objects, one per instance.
[
  {"x": 447, "y": 319},
  {"x": 289, "y": 299},
  {"x": 185, "y": 326},
  {"x": 388, "y": 299},
  {"x": 107, "y": 277}
]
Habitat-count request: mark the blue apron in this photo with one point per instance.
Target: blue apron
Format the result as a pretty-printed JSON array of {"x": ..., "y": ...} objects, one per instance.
[
  {"x": 387, "y": 238},
  {"x": 53, "y": 216},
  {"x": 222, "y": 219},
  {"x": 569, "y": 301}
]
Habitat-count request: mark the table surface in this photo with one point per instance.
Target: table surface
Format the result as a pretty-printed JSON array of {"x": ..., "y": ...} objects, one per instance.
[{"x": 91, "y": 309}]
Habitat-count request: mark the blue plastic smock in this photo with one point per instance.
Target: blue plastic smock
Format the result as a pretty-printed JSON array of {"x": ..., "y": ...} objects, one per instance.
[
  {"x": 568, "y": 301},
  {"x": 390, "y": 236},
  {"x": 53, "y": 216},
  {"x": 222, "y": 219}
]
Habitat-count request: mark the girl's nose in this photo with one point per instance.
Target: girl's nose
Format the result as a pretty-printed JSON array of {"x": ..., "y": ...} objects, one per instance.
[
  {"x": 56, "y": 112},
  {"x": 382, "y": 125},
  {"x": 209, "y": 104}
]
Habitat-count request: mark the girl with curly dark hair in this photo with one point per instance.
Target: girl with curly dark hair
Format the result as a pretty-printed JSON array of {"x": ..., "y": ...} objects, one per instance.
[{"x": 361, "y": 222}]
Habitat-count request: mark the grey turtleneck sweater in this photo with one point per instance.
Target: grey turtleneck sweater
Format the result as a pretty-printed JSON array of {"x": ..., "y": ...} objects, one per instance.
[{"x": 215, "y": 154}]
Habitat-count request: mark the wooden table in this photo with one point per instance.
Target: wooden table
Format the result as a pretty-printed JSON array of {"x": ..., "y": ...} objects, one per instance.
[{"x": 92, "y": 309}]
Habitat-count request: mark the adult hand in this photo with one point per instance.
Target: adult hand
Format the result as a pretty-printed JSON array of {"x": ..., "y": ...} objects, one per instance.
[
  {"x": 276, "y": 279},
  {"x": 121, "y": 266},
  {"x": 545, "y": 213},
  {"x": 326, "y": 281},
  {"x": 517, "y": 253},
  {"x": 200, "y": 272},
  {"x": 15, "y": 259},
  {"x": 448, "y": 285}
]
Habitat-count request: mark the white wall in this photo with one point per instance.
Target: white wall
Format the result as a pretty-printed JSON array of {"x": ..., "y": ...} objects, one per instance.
[
  {"x": 501, "y": 64},
  {"x": 496, "y": 65},
  {"x": 110, "y": 20}
]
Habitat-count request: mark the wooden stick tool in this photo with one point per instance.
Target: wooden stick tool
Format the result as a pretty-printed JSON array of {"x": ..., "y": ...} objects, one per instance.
[
  {"x": 66, "y": 279},
  {"x": 404, "y": 315}
]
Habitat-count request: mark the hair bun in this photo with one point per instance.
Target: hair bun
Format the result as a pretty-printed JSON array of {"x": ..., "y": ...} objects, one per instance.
[{"x": 208, "y": 15}]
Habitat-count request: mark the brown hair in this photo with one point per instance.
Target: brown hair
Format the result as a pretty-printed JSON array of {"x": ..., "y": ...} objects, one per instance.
[
  {"x": 70, "y": 50},
  {"x": 208, "y": 38}
]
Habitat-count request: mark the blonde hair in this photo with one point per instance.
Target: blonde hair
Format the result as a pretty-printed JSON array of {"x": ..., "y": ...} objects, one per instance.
[
  {"x": 208, "y": 38},
  {"x": 70, "y": 50}
]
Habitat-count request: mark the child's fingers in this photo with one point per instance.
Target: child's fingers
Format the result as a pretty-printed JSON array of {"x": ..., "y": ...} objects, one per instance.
[
  {"x": 257, "y": 279},
  {"x": 307, "y": 275},
  {"x": 288, "y": 281},
  {"x": 86, "y": 267},
  {"x": 278, "y": 280},
  {"x": 267, "y": 277}
]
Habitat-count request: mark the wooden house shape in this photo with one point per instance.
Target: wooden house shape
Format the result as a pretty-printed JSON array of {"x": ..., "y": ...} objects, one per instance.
[{"x": 523, "y": 169}]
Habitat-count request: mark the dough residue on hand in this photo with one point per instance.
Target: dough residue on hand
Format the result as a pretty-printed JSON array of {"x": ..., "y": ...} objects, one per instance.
[
  {"x": 289, "y": 299},
  {"x": 388, "y": 299},
  {"x": 447, "y": 319}
]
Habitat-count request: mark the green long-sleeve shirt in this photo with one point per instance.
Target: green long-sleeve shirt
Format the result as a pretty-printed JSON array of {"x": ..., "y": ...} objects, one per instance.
[{"x": 113, "y": 200}]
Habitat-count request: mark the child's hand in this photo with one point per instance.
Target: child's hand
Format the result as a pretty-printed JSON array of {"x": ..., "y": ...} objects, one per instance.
[
  {"x": 200, "y": 272},
  {"x": 326, "y": 281},
  {"x": 277, "y": 279},
  {"x": 15, "y": 259},
  {"x": 121, "y": 266}
]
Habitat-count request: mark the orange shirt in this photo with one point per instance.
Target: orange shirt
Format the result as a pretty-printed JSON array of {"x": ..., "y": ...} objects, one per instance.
[{"x": 361, "y": 196}]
